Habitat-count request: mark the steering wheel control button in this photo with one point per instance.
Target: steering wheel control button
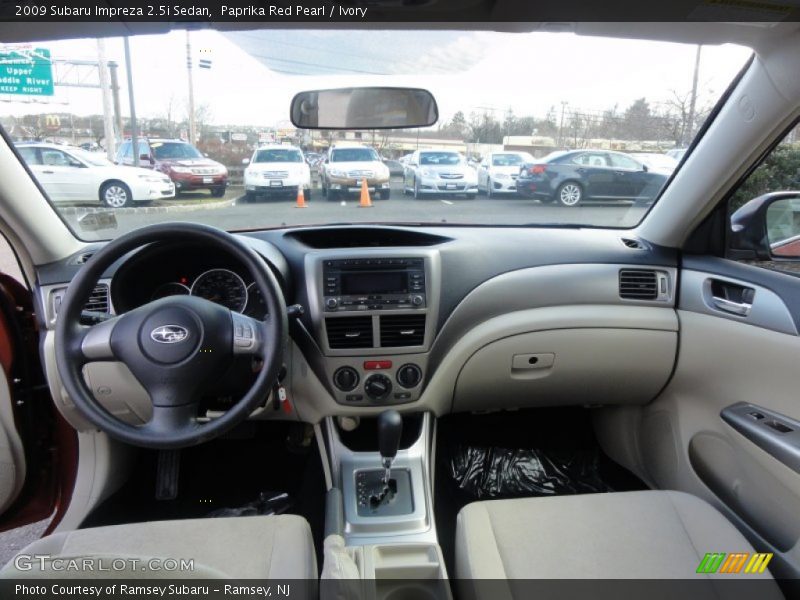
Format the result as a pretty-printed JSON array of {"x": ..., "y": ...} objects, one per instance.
[
  {"x": 377, "y": 365},
  {"x": 378, "y": 387},
  {"x": 409, "y": 375},
  {"x": 346, "y": 379},
  {"x": 170, "y": 335},
  {"x": 244, "y": 334}
]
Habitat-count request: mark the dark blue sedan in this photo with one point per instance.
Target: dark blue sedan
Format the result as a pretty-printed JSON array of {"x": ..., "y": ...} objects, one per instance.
[{"x": 573, "y": 177}]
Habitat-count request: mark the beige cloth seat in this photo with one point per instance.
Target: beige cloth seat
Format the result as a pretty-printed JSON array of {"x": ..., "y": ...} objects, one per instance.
[
  {"x": 640, "y": 535},
  {"x": 270, "y": 547}
]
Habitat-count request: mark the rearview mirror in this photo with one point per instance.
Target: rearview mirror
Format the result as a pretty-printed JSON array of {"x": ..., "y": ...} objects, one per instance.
[{"x": 364, "y": 108}]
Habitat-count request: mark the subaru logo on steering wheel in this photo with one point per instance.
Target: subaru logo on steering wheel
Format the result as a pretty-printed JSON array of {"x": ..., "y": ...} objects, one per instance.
[{"x": 169, "y": 334}]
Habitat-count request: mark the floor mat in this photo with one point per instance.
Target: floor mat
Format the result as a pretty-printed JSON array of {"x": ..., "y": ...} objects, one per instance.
[
  {"x": 541, "y": 452},
  {"x": 261, "y": 468}
]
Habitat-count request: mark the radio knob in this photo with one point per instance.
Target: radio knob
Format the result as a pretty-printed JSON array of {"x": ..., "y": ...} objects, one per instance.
[
  {"x": 417, "y": 300},
  {"x": 378, "y": 387},
  {"x": 345, "y": 378},
  {"x": 409, "y": 375},
  {"x": 331, "y": 303}
]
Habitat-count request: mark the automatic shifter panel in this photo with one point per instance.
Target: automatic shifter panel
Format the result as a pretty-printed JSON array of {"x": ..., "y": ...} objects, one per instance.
[{"x": 398, "y": 501}]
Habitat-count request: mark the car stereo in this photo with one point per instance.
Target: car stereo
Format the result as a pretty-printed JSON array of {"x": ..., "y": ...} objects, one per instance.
[{"x": 373, "y": 284}]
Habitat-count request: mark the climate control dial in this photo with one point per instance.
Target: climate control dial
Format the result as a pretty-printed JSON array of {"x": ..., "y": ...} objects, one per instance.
[
  {"x": 409, "y": 375},
  {"x": 345, "y": 378},
  {"x": 378, "y": 387}
]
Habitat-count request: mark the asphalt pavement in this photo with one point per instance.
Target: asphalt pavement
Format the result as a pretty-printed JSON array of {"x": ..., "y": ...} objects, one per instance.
[{"x": 233, "y": 213}]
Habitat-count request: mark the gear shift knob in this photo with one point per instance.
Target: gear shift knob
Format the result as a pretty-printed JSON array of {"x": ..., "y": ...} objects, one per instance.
[{"x": 390, "y": 427}]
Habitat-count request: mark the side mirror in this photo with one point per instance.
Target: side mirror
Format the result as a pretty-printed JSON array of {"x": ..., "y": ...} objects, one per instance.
[
  {"x": 245, "y": 161},
  {"x": 645, "y": 168},
  {"x": 145, "y": 157},
  {"x": 768, "y": 227}
]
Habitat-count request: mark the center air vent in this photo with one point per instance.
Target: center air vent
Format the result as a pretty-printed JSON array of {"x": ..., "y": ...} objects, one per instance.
[
  {"x": 349, "y": 332},
  {"x": 98, "y": 299},
  {"x": 402, "y": 330},
  {"x": 638, "y": 284}
]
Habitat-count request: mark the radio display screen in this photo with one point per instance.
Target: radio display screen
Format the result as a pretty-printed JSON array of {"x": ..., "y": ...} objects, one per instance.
[{"x": 374, "y": 282}]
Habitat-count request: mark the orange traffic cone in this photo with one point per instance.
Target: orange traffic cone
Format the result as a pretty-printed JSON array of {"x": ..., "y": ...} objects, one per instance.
[
  {"x": 365, "y": 199},
  {"x": 301, "y": 199}
]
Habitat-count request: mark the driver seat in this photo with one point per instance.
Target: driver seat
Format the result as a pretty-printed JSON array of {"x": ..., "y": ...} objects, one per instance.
[{"x": 263, "y": 547}]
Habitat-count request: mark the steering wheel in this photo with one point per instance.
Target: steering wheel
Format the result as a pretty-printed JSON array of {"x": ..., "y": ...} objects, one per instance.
[{"x": 175, "y": 346}]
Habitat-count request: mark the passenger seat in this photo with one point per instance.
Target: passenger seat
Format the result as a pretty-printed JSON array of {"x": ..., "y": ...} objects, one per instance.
[{"x": 624, "y": 535}]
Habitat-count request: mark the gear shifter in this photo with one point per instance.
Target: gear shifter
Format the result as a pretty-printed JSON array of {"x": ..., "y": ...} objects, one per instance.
[{"x": 390, "y": 427}]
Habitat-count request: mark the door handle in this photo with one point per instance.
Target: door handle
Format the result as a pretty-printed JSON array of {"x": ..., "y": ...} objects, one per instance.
[
  {"x": 737, "y": 308},
  {"x": 48, "y": 172}
]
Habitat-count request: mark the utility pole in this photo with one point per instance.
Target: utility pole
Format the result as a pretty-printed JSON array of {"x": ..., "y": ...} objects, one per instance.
[
  {"x": 561, "y": 125},
  {"x": 191, "y": 87},
  {"x": 112, "y": 70},
  {"x": 108, "y": 118},
  {"x": 134, "y": 132},
  {"x": 693, "y": 100}
]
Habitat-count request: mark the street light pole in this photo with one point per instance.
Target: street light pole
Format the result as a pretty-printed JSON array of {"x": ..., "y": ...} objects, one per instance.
[
  {"x": 108, "y": 117},
  {"x": 134, "y": 130},
  {"x": 191, "y": 87},
  {"x": 112, "y": 69},
  {"x": 693, "y": 100}
]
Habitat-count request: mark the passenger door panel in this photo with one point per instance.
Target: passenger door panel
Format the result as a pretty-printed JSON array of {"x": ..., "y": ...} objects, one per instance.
[{"x": 738, "y": 355}]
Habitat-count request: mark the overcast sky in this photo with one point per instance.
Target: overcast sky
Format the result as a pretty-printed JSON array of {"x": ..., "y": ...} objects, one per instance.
[{"x": 250, "y": 82}]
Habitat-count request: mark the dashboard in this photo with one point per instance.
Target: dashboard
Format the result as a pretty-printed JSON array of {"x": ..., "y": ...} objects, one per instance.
[{"x": 443, "y": 319}]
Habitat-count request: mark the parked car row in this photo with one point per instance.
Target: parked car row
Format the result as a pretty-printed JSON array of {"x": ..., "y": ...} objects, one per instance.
[{"x": 167, "y": 167}]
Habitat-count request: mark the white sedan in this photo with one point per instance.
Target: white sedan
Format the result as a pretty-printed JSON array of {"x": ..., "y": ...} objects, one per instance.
[
  {"x": 69, "y": 174},
  {"x": 274, "y": 170},
  {"x": 498, "y": 171}
]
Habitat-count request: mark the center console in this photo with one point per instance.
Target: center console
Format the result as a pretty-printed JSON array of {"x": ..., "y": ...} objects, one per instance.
[
  {"x": 382, "y": 521},
  {"x": 374, "y": 317}
]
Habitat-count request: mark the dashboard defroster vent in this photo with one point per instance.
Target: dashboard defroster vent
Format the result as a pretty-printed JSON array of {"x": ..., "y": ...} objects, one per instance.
[
  {"x": 638, "y": 284},
  {"x": 402, "y": 330},
  {"x": 349, "y": 332}
]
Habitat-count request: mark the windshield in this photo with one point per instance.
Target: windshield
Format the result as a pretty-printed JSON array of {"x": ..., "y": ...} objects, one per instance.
[
  {"x": 174, "y": 150},
  {"x": 586, "y": 133},
  {"x": 510, "y": 160},
  {"x": 354, "y": 155},
  {"x": 439, "y": 158},
  {"x": 95, "y": 159},
  {"x": 273, "y": 156}
]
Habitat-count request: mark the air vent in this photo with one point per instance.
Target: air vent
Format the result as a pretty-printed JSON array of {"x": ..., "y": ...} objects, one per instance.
[
  {"x": 638, "y": 284},
  {"x": 98, "y": 299},
  {"x": 634, "y": 244},
  {"x": 349, "y": 332},
  {"x": 402, "y": 330}
]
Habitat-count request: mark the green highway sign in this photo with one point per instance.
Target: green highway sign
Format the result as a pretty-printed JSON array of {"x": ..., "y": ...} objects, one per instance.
[{"x": 26, "y": 72}]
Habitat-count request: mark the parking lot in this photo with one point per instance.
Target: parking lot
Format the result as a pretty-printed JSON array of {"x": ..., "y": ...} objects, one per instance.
[{"x": 232, "y": 213}]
